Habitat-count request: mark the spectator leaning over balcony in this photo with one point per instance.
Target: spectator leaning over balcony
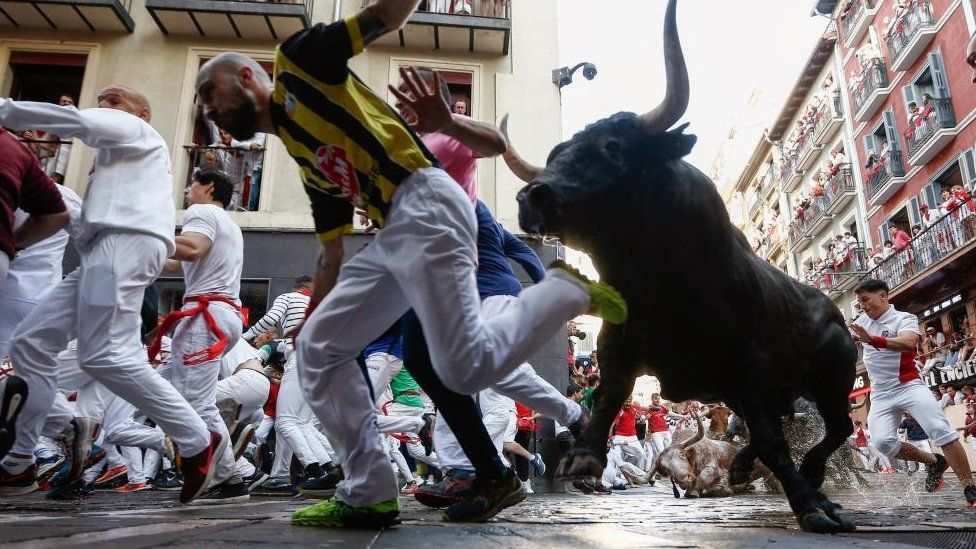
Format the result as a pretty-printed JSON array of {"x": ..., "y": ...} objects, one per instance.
[
  {"x": 899, "y": 238},
  {"x": 934, "y": 347},
  {"x": 951, "y": 397},
  {"x": 888, "y": 250},
  {"x": 59, "y": 165}
]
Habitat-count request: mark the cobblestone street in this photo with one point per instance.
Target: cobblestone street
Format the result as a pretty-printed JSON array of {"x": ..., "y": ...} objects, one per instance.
[{"x": 894, "y": 511}]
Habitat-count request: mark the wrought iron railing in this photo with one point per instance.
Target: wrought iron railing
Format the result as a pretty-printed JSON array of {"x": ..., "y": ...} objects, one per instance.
[
  {"x": 853, "y": 262},
  {"x": 498, "y": 9},
  {"x": 916, "y": 16},
  {"x": 875, "y": 77},
  {"x": 787, "y": 168},
  {"x": 829, "y": 109},
  {"x": 953, "y": 231},
  {"x": 804, "y": 146},
  {"x": 937, "y": 115},
  {"x": 244, "y": 166},
  {"x": 796, "y": 230},
  {"x": 852, "y": 17},
  {"x": 839, "y": 184},
  {"x": 888, "y": 166}
]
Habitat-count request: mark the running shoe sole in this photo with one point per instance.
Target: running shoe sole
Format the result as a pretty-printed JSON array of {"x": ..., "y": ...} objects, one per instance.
[
  {"x": 46, "y": 471},
  {"x": 384, "y": 520},
  {"x": 243, "y": 439},
  {"x": 203, "y": 502},
  {"x": 85, "y": 431},
  {"x": 514, "y": 498},
  {"x": 211, "y": 470},
  {"x": 13, "y": 395},
  {"x": 257, "y": 483},
  {"x": 317, "y": 494},
  {"x": 434, "y": 501},
  {"x": 18, "y": 490}
]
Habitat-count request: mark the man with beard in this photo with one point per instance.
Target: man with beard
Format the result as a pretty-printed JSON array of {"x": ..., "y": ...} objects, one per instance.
[
  {"x": 124, "y": 237},
  {"x": 355, "y": 151}
]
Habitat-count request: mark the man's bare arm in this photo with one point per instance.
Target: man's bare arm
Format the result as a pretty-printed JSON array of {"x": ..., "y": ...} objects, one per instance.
[
  {"x": 327, "y": 269},
  {"x": 38, "y": 227},
  {"x": 384, "y": 16},
  {"x": 484, "y": 139}
]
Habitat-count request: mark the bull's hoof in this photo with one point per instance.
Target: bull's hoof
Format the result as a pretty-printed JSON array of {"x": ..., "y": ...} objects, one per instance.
[
  {"x": 739, "y": 475},
  {"x": 580, "y": 462},
  {"x": 824, "y": 518},
  {"x": 691, "y": 494}
]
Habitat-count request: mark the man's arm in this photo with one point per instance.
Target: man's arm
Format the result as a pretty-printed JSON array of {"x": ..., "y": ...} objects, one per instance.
[
  {"x": 523, "y": 255},
  {"x": 384, "y": 16},
  {"x": 40, "y": 198},
  {"x": 484, "y": 139},
  {"x": 39, "y": 227},
  {"x": 270, "y": 319},
  {"x": 327, "y": 270},
  {"x": 95, "y": 127},
  {"x": 191, "y": 246},
  {"x": 173, "y": 266}
]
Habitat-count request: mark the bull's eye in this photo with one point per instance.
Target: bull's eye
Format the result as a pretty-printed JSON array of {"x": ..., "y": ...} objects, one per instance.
[{"x": 612, "y": 147}]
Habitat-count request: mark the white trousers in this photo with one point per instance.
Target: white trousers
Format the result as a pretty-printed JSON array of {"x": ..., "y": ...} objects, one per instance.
[
  {"x": 101, "y": 300},
  {"x": 291, "y": 418},
  {"x": 424, "y": 258},
  {"x": 631, "y": 450},
  {"x": 4, "y": 267},
  {"x": 913, "y": 397},
  {"x": 198, "y": 382},
  {"x": 248, "y": 388},
  {"x": 12, "y": 311}
]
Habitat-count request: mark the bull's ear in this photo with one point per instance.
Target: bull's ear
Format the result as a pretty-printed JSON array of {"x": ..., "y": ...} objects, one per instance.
[{"x": 679, "y": 145}]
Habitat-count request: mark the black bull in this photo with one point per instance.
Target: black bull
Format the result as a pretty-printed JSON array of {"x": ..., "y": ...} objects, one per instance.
[{"x": 710, "y": 319}]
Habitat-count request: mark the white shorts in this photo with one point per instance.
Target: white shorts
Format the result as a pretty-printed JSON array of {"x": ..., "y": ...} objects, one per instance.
[
  {"x": 501, "y": 425},
  {"x": 913, "y": 397}
]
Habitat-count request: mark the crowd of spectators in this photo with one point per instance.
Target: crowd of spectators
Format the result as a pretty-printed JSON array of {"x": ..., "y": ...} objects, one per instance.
[{"x": 483, "y": 8}]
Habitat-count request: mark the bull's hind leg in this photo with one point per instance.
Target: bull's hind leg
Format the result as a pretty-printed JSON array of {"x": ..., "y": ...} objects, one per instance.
[
  {"x": 834, "y": 370},
  {"x": 814, "y": 512},
  {"x": 588, "y": 456}
]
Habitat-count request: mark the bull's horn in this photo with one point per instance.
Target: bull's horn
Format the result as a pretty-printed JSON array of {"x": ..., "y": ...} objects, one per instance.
[
  {"x": 522, "y": 169},
  {"x": 698, "y": 436},
  {"x": 675, "y": 101}
]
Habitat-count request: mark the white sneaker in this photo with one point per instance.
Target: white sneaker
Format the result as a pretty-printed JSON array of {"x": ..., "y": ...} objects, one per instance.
[{"x": 528, "y": 487}]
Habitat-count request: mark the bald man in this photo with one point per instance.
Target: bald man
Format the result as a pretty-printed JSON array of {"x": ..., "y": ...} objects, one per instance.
[{"x": 124, "y": 236}]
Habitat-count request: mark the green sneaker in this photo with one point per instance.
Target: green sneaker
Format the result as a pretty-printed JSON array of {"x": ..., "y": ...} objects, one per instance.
[
  {"x": 605, "y": 301},
  {"x": 333, "y": 513}
]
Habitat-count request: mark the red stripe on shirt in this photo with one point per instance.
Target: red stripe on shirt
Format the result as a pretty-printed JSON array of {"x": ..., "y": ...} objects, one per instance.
[{"x": 906, "y": 369}]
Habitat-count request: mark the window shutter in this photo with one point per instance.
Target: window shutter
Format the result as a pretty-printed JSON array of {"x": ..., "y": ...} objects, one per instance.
[
  {"x": 914, "y": 215},
  {"x": 911, "y": 94},
  {"x": 939, "y": 75},
  {"x": 870, "y": 143},
  {"x": 891, "y": 130},
  {"x": 931, "y": 193},
  {"x": 967, "y": 164}
]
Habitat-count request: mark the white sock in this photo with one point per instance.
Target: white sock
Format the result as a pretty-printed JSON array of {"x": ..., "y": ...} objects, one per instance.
[{"x": 16, "y": 465}]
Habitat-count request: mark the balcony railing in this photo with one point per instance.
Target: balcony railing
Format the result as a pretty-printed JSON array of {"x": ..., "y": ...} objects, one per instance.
[
  {"x": 853, "y": 18},
  {"x": 796, "y": 231},
  {"x": 954, "y": 231},
  {"x": 916, "y": 17},
  {"x": 938, "y": 115},
  {"x": 474, "y": 26},
  {"x": 875, "y": 78},
  {"x": 248, "y": 19},
  {"x": 888, "y": 166},
  {"x": 767, "y": 182},
  {"x": 828, "y": 112},
  {"x": 838, "y": 186},
  {"x": 839, "y": 272},
  {"x": 755, "y": 205},
  {"x": 244, "y": 166},
  {"x": 804, "y": 148},
  {"x": 68, "y": 15}
]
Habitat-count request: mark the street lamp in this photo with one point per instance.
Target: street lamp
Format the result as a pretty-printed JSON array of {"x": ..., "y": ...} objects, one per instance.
[{"x": 564, "y": 76}]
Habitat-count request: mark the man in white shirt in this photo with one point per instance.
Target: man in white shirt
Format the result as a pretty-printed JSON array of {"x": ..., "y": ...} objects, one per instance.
[
  {"x": 124, "y": 237},
  {"x": 889, "y": 338},
  {"x": 935, "y": 346},
  {"x": 210, "y": 253},
  {"x": 35, "y": 271}
]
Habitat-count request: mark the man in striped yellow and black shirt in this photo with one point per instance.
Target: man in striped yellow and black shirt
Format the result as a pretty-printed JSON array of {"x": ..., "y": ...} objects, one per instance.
[{"x": 354, "y": 151}]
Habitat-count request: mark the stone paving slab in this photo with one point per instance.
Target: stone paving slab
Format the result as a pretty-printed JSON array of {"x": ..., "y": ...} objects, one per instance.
[{"x": 643, "y": 517}]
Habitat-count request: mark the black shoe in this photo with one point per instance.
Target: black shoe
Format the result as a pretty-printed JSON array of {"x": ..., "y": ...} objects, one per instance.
[
  {"x": 322, "y": 487},
  {"x": 20, "y": 483},
  {"x": 79, "y": 445},
  {"x": 274, "y": 486},
  {"x": 256, "y": 480},
  {"x": 487, "y": 498},
  {"x": 583, "y": 486},
  {"x": 970, "y": 493},
  {"x": 73, "y": 490},
  {"x": 13, "y": 395},
  {"x": 934, "y": 472},
  {"x": 620, "y": 487},
  {"x": 224, "y": 493},
  {"x": 599, "y": 488},
  {"x": 168, "y": 480},
  {"x": 426, "y": 434}
]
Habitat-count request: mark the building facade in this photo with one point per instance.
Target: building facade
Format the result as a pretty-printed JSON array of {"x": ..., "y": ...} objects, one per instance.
[{"x": 496, "y": 57}]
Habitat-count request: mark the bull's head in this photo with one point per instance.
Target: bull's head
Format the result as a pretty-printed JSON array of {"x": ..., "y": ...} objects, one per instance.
[
  {"x": 589, "y": 175},
  {"x": 676, "y": 460}
]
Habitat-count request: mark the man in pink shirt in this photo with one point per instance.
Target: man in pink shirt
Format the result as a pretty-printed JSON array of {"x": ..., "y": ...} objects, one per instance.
[
  {"x": 899, "y": 238},
  {"x": 459, "y": 142}
]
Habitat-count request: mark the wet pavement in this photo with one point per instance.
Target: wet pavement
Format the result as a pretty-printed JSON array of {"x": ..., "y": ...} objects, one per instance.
[{"x": 894, "y": 511}]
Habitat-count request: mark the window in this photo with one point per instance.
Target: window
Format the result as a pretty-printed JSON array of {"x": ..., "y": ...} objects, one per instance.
[
  {"x": 899, "y": 219},
  {"x": 49, "y": 78},
  {"x": 951, "y": 175},
  {"x": 212, "y": 148},
  {"x": 254, "y": 296}
]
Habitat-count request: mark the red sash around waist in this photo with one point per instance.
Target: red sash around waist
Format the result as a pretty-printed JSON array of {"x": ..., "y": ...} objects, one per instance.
[{"x": 210, "y": 353}]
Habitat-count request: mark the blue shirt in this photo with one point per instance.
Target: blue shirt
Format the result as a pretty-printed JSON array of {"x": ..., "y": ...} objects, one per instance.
[
  {"x": 495, "y": 247},
  {"x": 913, "y": 431},
  {"x": 391, "y": 343}
]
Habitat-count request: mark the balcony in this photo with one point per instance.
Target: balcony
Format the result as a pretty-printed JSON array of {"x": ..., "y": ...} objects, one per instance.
[
  {"x": 934, "y": 128},
  {"x": 248, "y": 19},
  {"x": 486, "y": 28},
  {"x": 830, "y": 118},
  {"x": 243, "y": 165},
  {"x": 755, "y": 206},
  {"x": 839, "y": 189},
  {"x": 870, "y": 93},
  {"x": 839, "y": 276},
  {"x": 807, "y": 151},
  {"x": 789, "y": 174},
  {"x": 767, "y": 183},
  {"x": 798, "y": 238},
  {"x": 816, "y": 215},
  {"x": 858, "y": 20},
  {"x": 910, "y": 35},
  {"x": 947, "y": 236},
  {"x": 885, "y": 177},
  {"x": 67, "y": 15}
]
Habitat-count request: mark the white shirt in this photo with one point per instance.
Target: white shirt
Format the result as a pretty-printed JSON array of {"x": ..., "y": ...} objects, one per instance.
[
  {"x": 888, "y": 369},
  {"x": 37, "y": 269},
  {"x": 219, "y": 270},
  {"x": 492, "y": 401},
  {"x": 130, "y": 185},
  {"x": 237, "y": 355}
]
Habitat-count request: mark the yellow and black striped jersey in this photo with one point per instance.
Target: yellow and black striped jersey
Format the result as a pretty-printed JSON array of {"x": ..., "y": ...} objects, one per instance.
[{"x": 353, "y": 148}]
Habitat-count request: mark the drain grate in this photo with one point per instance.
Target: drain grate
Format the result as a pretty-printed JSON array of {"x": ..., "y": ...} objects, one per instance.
[{"x": 955, "y": 539}]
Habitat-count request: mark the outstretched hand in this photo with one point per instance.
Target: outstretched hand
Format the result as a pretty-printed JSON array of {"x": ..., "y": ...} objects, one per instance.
[
  {"x": 860, "y": 334},
  {"x": 427, "y": 103}
]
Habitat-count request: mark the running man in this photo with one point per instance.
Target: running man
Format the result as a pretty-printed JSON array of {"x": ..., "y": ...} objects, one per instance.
[
  {"x": 889, "y": 338},
  {"x": 355, "y": 151},
  {"x": 125, "y": 234}
]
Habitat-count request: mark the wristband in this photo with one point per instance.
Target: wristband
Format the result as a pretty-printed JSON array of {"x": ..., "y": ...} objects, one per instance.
[
  {"x": 879, "y": 342},
  {"x": 312, "y": 304}
]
